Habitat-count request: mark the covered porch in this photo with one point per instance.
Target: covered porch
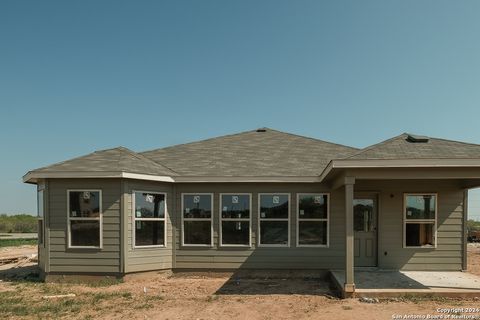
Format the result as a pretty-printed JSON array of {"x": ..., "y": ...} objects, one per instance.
[
  {"x": 388, "y": 283},
  {"x": 399, "y": 270}
]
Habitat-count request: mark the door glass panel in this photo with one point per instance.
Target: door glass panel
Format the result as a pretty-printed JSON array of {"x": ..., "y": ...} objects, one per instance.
[{"x": 363, "y": 215}]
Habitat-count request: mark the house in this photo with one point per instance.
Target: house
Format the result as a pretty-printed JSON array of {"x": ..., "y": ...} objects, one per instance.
[{"x": 261, "y": 199}]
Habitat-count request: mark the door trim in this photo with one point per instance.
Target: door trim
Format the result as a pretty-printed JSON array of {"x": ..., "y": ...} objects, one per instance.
[{"x": 375, "y": 195}]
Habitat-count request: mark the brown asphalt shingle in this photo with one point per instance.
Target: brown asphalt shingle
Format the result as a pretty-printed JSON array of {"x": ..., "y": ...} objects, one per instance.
[
  {"x": 251, "y": 154},
  {"x": 400, "y": 148}
]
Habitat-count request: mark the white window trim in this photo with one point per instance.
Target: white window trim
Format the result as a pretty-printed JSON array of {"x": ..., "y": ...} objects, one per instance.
[
  {"x": 259, "y": 244},
  {"x": 313, "y": 219},
  {"x": 41, "y": 191},
  {"x": 419, "y": 221},
  {"x": 100, "y": 218},
  {"x": 221, "y": 219},
  {"x": 197, "y": 219},
  {"x": 134, "y": 219}
]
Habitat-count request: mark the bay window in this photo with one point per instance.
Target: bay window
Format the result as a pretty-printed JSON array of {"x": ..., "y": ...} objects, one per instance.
[
  {"x": 84, "y": 218},
  {"x": 149, "y": 219}
]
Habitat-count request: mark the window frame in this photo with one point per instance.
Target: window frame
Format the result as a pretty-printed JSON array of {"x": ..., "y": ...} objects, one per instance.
[
  {"x": 99, "y": 218},
  {"x": 183, "y": 219},
  {"x": 419, "y": 221},
  {"x": 221, "y": 219},
  {"x": 135, "y": 219},
  {"x": 41, "y": 226},
  {"x": 316, "y": 220},
  {"x": 260, "y": 219}
]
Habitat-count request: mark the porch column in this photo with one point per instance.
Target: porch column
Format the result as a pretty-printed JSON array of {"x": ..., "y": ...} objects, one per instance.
[{"x": 349, "y": 286}]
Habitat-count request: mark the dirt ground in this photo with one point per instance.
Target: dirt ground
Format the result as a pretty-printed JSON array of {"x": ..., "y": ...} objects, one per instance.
[{"x": 205, "y": 296}]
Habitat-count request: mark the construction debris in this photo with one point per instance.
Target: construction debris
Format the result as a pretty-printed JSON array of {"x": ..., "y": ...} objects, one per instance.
[{"x": 69, "y": 295}]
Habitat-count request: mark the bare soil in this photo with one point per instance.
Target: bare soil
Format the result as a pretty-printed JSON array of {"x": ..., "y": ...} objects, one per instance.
[{"x": 206, "y": 296}]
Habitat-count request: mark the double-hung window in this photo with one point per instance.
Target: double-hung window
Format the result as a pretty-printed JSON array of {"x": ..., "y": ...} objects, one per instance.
[
  {"x": 420, "y": 220},
  {"x": 84, "y": 218},
  {"x": 312, "y": 219},
  {"x": 235, "y": 213},
  {"x": 197, "y": 214},
  {"x": 149, "y": 219},
  {"x": 274, "y": 222},
  {"x": 40, "y": 212}
]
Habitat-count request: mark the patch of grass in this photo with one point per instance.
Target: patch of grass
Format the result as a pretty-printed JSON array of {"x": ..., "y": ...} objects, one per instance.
[
  {"x": 17, "y": 242},
  {"x": 105, "y": 282}
]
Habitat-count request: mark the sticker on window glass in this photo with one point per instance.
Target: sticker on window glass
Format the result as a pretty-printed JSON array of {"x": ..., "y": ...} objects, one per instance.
[
  {"x": 196, "y": 199},
  {"x": 139, "y": 214},
  {"x": 86, "y": 195},
  {"x": 139, "y": 225},
  {"x": 234, "y": 199},
  {"x": 419, "y": 200},
  {"x": 187, "y": 210},
  {"x": 225, "y": 208},
  {"x": 149, "y": 198},
  {"x": 318, "y": 199},
  {"x": 276, "y": 199},
  {"x": 74, "y": 213},
  {"x": 239, "y": 226},
  {"x": 409, "y": 213},
  {"x": 263, "y": 215},
  {"x": 302, "y": 212}
]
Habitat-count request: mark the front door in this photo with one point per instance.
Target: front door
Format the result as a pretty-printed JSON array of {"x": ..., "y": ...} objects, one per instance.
[{"x": 365, "y": 226}]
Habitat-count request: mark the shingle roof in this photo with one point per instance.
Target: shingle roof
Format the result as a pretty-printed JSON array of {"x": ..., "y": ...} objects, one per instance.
[
  {"x": 401, "y": 147},
  {"x": 112, "y": 160},
  {"x": 262, "y": 152}
]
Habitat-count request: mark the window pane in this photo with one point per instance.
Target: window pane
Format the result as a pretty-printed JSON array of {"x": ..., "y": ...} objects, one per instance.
[
  {"x": 363, "y": 214},
  {"x": 85, "y": 233},
  {"x": 149, "y": 233},
  {"x": 274, "y": 232},
  {"x": 312, "y": 206},
  {"x": 40, "y": 203},
  {"x": 312, "y": 232},
  {"x": 197, "y": 206},
  {"x": 236, "y": 206},
  {"x": 236, "y": 232},
  {"x": 84, "y": 203},
  {"x": 419, "y": 234},
  {"x": 149, "y": 205},
  {"x": 197, "y": 232},
  {"x": 274, "y": 206},
  {"x": 420, "y": 207}
]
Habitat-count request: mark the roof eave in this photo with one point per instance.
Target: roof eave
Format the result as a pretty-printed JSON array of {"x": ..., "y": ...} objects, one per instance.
[
  {"x": 33, "y": 176},
  {"x": 397, "y": 163}
]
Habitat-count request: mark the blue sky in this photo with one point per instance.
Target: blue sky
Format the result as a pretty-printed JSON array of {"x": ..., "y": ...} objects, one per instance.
[{"x": 86, "y": 75}]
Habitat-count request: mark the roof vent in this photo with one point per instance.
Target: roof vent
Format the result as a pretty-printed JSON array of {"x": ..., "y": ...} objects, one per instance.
[
  {"x": 262, "y": 130},
  {"x": 417, "y": 139}
]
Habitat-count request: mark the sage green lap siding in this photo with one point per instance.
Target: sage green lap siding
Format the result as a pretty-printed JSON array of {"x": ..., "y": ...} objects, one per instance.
[
  {"x": 262, "y": 257},
  {"x": 144, "y": 259},
  {"x": 65, "y": 260},
  {"x": 448, "y": 253}
]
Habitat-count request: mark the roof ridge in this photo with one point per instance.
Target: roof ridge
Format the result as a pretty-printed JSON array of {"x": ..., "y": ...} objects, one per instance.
[
  {"x": 248, "y": 131},
  {"x": 197, "y": 141},
  {"x": 368, "y": 148},
  {"x": 457, "y": 141},
  {"x": 143, "y": 158},
  {"x": 311, "y": 138}
]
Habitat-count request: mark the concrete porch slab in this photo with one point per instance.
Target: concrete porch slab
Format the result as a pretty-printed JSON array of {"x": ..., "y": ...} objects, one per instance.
[{"x": 388, "y": 283}]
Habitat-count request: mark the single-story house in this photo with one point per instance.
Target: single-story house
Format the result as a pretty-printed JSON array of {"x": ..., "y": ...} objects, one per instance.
[{"x": 261, "y": 199}]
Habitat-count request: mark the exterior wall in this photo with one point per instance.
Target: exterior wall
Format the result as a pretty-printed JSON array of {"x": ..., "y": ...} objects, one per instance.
[
  {"x": 95, "y": 261},
  {"x": 144, "y": 259},
  {"x": 42, "y": 248},
  {"x": 291, "y": 257},
  {"x": 391, "y": 254}
]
